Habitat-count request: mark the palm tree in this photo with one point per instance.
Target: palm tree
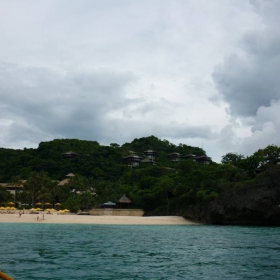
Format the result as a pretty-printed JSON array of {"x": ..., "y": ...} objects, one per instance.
[
  {"x": 55, "y": 191},
  {"x": 16, "y": 182},
  {"x": 89, "y": 192},
  {"x": 4, "y": 195},
  {"x": 44, "y": 194},
  {"x": 38, "y": 183},
  {"x": 76, "y": 184},
  {"x": 26, "y": 194},
  {"x": 32, "y": 185}
]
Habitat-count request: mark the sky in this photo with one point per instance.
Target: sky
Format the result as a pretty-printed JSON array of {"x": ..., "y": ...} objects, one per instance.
[{"x": 197, "y": 72}]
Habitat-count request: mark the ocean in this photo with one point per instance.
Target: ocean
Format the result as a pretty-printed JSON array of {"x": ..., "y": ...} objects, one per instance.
[{"x": 59, "y": 251}]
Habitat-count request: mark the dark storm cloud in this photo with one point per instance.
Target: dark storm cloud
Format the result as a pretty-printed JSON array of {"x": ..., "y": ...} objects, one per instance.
[
  {"x": 42, "y": 103},
  {"x": 249, "y": 79}
]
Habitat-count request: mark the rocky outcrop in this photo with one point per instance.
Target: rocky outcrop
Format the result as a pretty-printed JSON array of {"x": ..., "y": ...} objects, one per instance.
[{"x": 257, "y": 204}]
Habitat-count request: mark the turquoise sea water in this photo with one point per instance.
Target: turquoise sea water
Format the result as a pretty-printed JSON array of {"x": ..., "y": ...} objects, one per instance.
[{"x": 53, "y": 251}]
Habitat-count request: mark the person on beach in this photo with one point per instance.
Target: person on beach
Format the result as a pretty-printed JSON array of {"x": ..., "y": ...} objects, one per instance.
[
  {"x": 38, "y": 218},
  {"x": 19, "y": 213}
]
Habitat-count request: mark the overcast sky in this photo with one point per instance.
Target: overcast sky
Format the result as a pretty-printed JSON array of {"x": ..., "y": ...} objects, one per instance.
[{"x": 198, "y": 72}]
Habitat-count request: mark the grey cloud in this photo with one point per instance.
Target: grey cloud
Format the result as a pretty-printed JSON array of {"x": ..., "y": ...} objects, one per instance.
[
  {"x": 265, "y": 129},
  {"x": 249, "y": 82},
  {"x": 264, "y": 133},
  {"x": 43, "y": 104},
  {"x": 128, "y": 129},
  {"x": 250, "y": 79}
]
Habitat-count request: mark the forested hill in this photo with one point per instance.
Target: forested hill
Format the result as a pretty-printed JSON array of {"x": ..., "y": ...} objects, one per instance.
[
  {"x": 93, "y": 160},
  {"x": 240, "y": 190}
]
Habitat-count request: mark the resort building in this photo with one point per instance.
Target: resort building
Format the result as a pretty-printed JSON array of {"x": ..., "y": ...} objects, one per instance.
[
  {"x": 132, "y": 160},
  {"x": 150, "y": 154},
  {"x": 13, "y": 188},
  {"x": 175, "y": 157},
  {"x": 66, "y": 180},
  {"x": 150, "y": 157},
  {"x": 204, "y": 159},
  {"x": 189, "y": 156},
  {"x": 109, "y": 204},
  {"x": 124, "y": 201}
]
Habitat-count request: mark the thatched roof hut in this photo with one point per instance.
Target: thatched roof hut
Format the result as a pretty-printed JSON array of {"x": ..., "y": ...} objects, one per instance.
[
  {"x": 124, "y": 200},
  {"x": 66, "y": 180}
]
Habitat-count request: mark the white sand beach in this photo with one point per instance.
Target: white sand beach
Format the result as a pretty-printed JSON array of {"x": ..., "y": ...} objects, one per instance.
[{"x": 104, "y": 220}]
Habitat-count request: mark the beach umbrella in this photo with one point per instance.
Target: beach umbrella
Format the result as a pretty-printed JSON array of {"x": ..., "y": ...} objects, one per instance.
[
  {"x": 47, "y": 203},
  {"x": 2, "y": 208},
  {"x": 38, "y": 209},
  {"x": 10, "y": 203},
  {"x": 58, "y": 204},
  {"x": 66, "y": 210},
  {"x": 32, "y": 209},
  {"x": 52, "y": 210},
  {"x": 39, "y": 203}
]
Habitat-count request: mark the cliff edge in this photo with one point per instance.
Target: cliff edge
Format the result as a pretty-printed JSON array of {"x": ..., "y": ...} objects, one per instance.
[{"x": 255, "y": 204}]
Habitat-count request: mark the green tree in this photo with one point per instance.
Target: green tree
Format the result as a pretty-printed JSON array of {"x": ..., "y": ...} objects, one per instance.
[
  {"x": 232, "y": 158},
  {"x": 5, "y": 195},
  {"x": 37, "y": 184},
  {"x": 16, "y": 182}
]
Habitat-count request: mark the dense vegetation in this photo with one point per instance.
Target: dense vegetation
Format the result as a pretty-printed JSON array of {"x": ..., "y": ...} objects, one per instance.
[{"x": 101, "y": 176}]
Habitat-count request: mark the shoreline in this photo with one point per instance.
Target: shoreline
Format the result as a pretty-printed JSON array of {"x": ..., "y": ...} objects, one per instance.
[{"x": 92, "y": 219}]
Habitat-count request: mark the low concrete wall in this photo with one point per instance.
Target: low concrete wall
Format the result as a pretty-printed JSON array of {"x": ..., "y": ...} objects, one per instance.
[{"x": 117, "y": 212}]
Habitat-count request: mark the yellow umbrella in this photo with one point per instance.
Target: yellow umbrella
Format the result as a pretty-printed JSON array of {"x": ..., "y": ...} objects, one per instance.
[
  {"x": 58, "y": 204},
  {"x": 10, "y": 203},
  {"x": 47, "y": 203},
  {"x": 66, "y": 210},
  {"x": 2, "y": 208},
  {"x": 52, "y": 210},
  {"x": 39, "y": 203},
  {"x": 38, "y": 209},
  {"x": 32, "y": 209},
  {"x": 8, "y": 208},
  {"x": 13, "y": 208}
]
